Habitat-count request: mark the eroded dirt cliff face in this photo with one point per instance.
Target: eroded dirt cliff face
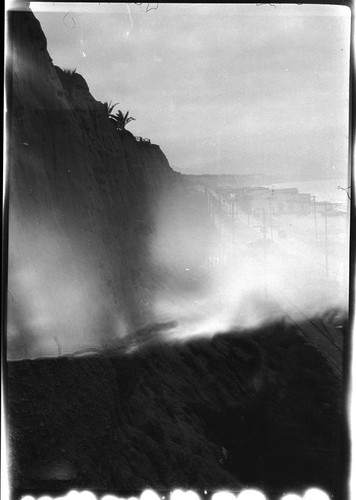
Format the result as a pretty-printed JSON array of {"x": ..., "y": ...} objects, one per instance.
[{"x": 81, "y": 209}]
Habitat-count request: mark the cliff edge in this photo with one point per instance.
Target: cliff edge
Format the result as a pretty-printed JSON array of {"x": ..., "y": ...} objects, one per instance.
[{"x": 82, "y": 198}]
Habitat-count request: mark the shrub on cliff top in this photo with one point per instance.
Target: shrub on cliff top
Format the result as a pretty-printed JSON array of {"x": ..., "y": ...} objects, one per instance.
[{"x": 69, "y": 72}]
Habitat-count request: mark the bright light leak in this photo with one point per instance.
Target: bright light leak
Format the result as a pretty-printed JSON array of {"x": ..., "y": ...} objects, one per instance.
[
  {"x": 315, "y": 494},
  {"x": 259, "y": 264},
  {"x": 248, "y": 494},
  {"x": 5, "y": 486},
  {"x": 223, "y": 495},
  {"x": 251, "y": 495},
  {"x": 149, "y": 495},
  {"x": 184, "y": 495}
]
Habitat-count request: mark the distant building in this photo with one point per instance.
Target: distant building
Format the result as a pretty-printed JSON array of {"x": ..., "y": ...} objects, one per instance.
[
  {"x": 255, "y": 200},
  {"x": 289, "y": 201},
  {"x": 323, "y": 207}
]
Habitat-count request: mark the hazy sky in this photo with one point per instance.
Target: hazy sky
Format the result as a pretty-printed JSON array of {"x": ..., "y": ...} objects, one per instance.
[{"x": 225, "y": 88}]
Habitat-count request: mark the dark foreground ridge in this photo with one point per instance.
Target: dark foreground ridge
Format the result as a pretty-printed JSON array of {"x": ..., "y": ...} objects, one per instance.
[{"x": 261, "y": 410}]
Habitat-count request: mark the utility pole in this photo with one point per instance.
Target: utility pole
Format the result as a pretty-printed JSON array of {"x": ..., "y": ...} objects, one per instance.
[
  {"x": 271, "y": 218},
  {"x": 233, "y": 222},
  {"x": 326, "y": 242},
  {"x": 264, "y": 231},
  {"x": 220, "y": 210},
  {"x": 315, "y": 222},
  {"x": 212, "y": 208},
  {"x": 207, "y": 193}
]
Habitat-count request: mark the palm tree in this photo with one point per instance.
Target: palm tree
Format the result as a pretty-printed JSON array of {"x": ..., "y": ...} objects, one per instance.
[
  {"x": 109, "y": 108},
  {"x": 122, "y": 120}
]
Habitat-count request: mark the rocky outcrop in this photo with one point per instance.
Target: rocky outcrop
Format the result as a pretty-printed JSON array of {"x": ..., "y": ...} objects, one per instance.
[{"x": 80, "y": 203}]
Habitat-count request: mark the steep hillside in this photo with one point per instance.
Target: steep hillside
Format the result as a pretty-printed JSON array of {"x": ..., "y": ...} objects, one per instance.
[{"x": 83, "y": 201}]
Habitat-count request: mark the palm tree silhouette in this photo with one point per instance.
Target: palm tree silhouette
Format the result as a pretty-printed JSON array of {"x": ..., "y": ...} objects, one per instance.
[
  {"x": 69, "y": 72},
  {"x": 121, "y": 119},
  {"x": 109, "y": 108}
]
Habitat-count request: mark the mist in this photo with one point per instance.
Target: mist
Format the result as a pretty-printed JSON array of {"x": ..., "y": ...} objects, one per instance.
[
  {"x": 107, "y": 244},
  {"x": 217, "y": 268},
  {"x": 246, "y": 270},
  {"x": 57, "y": 302}
]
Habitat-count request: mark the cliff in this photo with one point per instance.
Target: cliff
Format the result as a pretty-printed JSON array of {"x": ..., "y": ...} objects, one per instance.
[{"x": 82, "y": 197}]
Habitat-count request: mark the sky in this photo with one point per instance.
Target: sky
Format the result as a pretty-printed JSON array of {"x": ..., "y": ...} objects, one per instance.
[{"x": 222, "y": 88}]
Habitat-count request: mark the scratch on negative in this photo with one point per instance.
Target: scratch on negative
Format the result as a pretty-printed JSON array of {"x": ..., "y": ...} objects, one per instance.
[
  {"x": 271, "y": 4},
  {"x": 69, "y": 27}
]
